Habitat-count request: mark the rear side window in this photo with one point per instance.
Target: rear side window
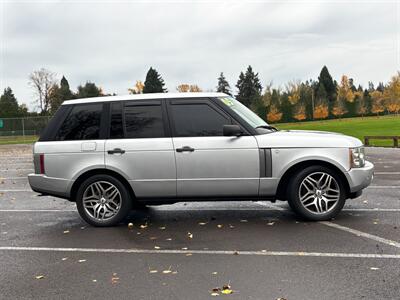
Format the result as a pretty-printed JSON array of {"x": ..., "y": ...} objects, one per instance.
[
  {"x": 116, "y": 128},
  {"x": 49, "y": 132},
  {"x": 82, "y": 123},
  {"x": 197, "y": 120},
  {"x": 143, "y": 121}
]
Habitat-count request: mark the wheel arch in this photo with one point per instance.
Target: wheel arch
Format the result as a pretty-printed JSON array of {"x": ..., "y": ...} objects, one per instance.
[
  {"x": 100, "y": 171},
  {"x": 283, "y": 182}
]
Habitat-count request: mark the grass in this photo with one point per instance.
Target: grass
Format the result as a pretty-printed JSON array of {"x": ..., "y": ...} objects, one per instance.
[
  {"x": 357, "y": 127},
  {"x": 9, "y": 140}
]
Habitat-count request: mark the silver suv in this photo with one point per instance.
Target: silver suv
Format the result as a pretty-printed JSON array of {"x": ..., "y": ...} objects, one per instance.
[{"x": 112, "y": 154}]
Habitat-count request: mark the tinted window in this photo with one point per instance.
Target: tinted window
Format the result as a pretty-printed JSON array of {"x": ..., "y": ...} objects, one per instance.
[
  {"x": 82, "y": 123},
  {"x": 116, "y": 129},
  {"x": 49, "y": 132},
  {"x": 197, "y": 120},
  {"x": 143, "y": 121}
]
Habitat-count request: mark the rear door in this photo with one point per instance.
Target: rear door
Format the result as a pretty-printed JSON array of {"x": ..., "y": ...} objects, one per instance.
[
  {"x": 140, "y": 147},
  {"x": 77, "y": 144},
  {"x": 208, "y": 163}
]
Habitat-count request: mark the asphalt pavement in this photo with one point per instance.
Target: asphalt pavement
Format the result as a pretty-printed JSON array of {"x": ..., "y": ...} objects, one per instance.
[{"x": 184, "y": 251}]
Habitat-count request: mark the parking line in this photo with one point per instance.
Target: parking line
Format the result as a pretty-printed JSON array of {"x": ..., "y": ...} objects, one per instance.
[
  {"x": 386, "y": 173},
  {"x": 15, "y": 190},
  {"x": 346, "y": 229},
  {"x": 383, "y": 187},
  {"x": 207, "y": 252},
  {"x": 362, "y": 234}
]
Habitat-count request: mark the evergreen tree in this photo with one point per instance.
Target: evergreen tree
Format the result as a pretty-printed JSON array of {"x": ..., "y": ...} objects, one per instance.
[
  {"x": 8, "y": 104},
  {"x": 88, "y": 90},
  {"x": 249, "y": 87},
  {"x": 286, "y": 108},
  {"x": 154, "y": 82},
  {"x": 223, "y": 85},
  {"x": 368, "y": 102},
  {"x": 326, "y": 80},
  {"x": 65, "y": 91},
  {"x": 380, "y": 87}
]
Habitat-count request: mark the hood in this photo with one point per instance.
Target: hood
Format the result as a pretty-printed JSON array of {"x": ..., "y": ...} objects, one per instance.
[{"x": 306, "y": 139}]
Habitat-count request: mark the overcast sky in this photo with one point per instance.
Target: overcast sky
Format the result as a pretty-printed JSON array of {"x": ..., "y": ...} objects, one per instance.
[{"x": 113, "y": 43}]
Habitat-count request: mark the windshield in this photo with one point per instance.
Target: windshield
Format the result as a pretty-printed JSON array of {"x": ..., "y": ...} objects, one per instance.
[{"x": 249, "y": 116}]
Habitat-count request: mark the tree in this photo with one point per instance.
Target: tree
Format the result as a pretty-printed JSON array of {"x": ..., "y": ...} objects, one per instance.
[
  {"x": 249, "y": 87},
  {"x": 154, "y": 82},
  {"x": 339, "y": 108},
  {"x": 300, "y": 112},
  {"x": 8, "y": 104},
  {"x": 274, "y": 113},
  {"x": 89, "y": 90},
  {"x": 377, "y": 102},
  {"x": 325, "y": 79},
  {"x": 42, "y": 81},
  {"x": 185, "y": 88},
  {"x": 58, "y": 94},
  {"x": 321, "y": 109},
  {"x": 391, "y": 94},
  {"x": 138, "y": 88},
  {"x": 223, "y": 85},
  {"x": 361, "y": 103}
]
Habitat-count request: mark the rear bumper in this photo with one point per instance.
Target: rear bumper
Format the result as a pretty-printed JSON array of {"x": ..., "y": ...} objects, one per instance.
[
  {"x": 49, "y": 185},
  {"x": 360, "y": 178}
]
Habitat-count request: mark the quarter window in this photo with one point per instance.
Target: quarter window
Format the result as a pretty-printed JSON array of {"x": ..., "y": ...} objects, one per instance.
[
  {"x": 82, "y": 123},
  {"x": 116, "y": 129},
  {"x": 143, "y": 121},
  {"x": 197, "y": 119}
]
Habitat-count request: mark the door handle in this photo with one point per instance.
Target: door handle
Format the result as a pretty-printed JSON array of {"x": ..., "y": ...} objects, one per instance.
[
  {"x": 185, "y": 149},
  {"x": 116, "y": 150}
]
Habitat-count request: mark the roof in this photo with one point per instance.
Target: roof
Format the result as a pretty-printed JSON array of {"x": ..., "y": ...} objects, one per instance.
[{"x": 144, "y": 97}]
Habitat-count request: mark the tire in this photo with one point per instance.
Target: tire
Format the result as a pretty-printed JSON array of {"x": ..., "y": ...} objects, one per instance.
[
  {"x": 106, "y": 203},
  {"x": 321, "y": 203}
]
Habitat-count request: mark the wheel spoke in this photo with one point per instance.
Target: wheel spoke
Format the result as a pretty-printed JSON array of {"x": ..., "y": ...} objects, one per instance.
[{"x": 319, "y": 192}]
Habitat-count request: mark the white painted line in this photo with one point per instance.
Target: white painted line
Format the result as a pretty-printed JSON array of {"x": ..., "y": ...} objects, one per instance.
[
  {"x": 5, "y": 170},
  {"x": 346, "y": 229},
  {"x": 13, "y": 178},
  {"x": 383, "y": 187},
  {"x": 15, "y": 191},
  {"x": 207, "y": 252},
  {"x": 37, "y": 210},
  {"x": 362, "y": 234},
  {"x": 373, "y": 209},
  {"x": 386, "y": 173}
]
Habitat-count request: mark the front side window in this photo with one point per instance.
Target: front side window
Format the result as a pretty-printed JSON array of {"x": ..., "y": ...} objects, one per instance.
[
  {"x": 82, "y": 123},
  {"x": 197, "y": 119},
  {"x": 143, "y": 121}
]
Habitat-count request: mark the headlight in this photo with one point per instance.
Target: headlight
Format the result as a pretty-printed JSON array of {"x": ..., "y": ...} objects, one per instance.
[{"x": 357, "y": 157}]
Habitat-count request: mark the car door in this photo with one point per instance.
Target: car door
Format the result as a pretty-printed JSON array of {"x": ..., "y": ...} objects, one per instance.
[
  {"x": 209, "y": 164},
  {"x": 77, "y": 145},
  {"x": 140, "y": 147}
]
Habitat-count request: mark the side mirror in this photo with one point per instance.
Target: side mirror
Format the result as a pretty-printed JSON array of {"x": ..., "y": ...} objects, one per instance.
[{"x": 232, "y": 130}]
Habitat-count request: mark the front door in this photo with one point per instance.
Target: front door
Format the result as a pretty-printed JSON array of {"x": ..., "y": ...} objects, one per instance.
[{"x": 207, "y": 163}]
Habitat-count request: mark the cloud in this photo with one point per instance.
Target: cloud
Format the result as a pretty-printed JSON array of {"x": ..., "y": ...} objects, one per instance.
[{"x": 114, "y": 43}]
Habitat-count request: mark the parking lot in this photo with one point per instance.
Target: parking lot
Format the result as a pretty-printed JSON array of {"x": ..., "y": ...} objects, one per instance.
[{"x": 183, "y": 251}]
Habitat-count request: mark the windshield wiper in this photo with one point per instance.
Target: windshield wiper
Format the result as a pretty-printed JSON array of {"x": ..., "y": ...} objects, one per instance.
[{"x": 268, "y": 127}]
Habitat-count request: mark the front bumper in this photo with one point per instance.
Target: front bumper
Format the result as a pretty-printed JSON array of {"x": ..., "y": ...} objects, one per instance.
[
  {"x": 360, "y": 178},
  {"x": 49, "y": 185}
]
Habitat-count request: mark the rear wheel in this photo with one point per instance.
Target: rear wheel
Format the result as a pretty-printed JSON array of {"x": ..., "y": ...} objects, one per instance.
[
  {"x": 316, "y": 193},
  {"x": 102, "y": 200}
]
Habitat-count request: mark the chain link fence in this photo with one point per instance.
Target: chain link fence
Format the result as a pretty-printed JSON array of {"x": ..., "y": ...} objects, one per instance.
[{"x": 22, "y": 129}]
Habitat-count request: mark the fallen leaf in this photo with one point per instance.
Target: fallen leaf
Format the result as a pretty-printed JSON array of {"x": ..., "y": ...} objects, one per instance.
[
  {"x": 280, "y": 298},
  {"x": 227, "y": 291},
  {"x": 94, "y": 280},
  {"x": 202, "y": 223},
  {"x": 153, "y": 238},
  {"x": 214, "y": 294},
  {"x": 220, "y": 225},
  {"x": 66, "y": 231},
  {"x": 243, "y": 221},
  {"x": 184, "y": 248},
  {"x": 168, "y": 239},
  {"x": 235, "y": 253},
  {"x": 161, "y": 228},
  {"x": 190, "y": 235},
  {"x": 81, "y": 260},
  {"x": 157, "y": 247},
  {"x": 270, "y": 223},
  {"x": 374, "y": 268},
  {"x": 216, "y": 290},
  {"x": 39, "y": 276},
  {"x": 64, "y": 258},
  {"x": 153, "y": 271},
  {"x": 143, "y": 226},
  {"x": 231, "y": 226},
  {"x": 189, "y": 254},
  {"x": 214, "y": 273},
  {"x": 130, "y": 225},
  {"x": 167, "y": 271}
]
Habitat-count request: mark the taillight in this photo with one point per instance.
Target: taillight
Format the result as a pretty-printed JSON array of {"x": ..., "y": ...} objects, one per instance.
[{"x": 41, "y": 162}]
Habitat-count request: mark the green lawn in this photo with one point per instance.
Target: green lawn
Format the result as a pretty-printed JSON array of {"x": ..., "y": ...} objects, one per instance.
[
  {"x": 28, "y": 139},
  {"x": 357, "y": 127}
]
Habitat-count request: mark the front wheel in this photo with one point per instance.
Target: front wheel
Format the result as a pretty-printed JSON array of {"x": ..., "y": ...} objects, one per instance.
[
  {"x": 316, "y": 193},
  {"x": 102, "y": 200}
]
